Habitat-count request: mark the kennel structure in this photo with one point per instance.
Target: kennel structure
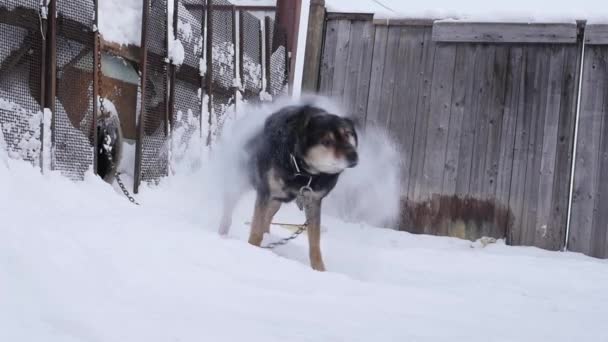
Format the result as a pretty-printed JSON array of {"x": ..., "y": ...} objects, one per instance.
[{"x": 54, "y": 64}]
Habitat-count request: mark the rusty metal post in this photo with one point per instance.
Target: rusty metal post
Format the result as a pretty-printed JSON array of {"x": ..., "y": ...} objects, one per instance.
[
  {"x": 209, "y": 75},
  {"x": 268, "y": 52},
  {"x": 172, "y": 69},
  {"x": 52, "y": 64},
  {"x": 96, "y": 74},
  {"x": 42, "y": 94},
  {"x": 140, "y": 124},
  {"x": 235, "y": 59},
  {"x": 241, "y": 46}
]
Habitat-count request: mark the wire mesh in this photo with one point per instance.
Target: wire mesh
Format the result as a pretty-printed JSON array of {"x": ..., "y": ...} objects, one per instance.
[
  {"x": 73, "y": 113},
  {"x": 153, "y": 160},
  {"x": 186, "y": 113},
  {"x": 20, "y": 77},
  {"x": 278, "y": 60},
  {"x": 223, "y": 47},
  {"x": 252, "y": 54},
  {"x": 223, "y": 50}
]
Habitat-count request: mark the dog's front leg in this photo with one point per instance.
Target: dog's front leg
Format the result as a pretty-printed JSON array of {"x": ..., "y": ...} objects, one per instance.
[
  {"x": 313, "y": 218},
  {"x": 259, "y": 217}
]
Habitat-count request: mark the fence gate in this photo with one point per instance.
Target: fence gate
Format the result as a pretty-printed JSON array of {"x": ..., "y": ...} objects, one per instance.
[
  {"x": 589, "y": 219},
  {"x": 484, "y": 115},
  {"x": 21, "y": 76}
]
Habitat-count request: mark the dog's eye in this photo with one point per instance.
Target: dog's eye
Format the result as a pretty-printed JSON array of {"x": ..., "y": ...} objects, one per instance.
[{"x": 326, "y": 142}]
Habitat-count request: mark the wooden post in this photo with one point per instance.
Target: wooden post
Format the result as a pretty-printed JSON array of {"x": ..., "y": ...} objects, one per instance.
[
  {"x": 288, "y": 21},
  {"x": 314, "y": 46}
]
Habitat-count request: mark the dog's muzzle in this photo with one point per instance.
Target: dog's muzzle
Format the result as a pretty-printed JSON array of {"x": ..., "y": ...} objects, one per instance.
[{"x": 352, "y": 157}]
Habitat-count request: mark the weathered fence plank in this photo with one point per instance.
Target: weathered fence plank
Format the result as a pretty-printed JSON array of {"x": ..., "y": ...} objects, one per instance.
[
  {"x": 388, "y": 78},
  {"x": 356, "y": 83},
  {"x": 596, "y": 34},
  {"x": 341, "y": 58},
  {"x": 588, "y": 196},
  {"x": 437, "y": 133},
  {"x": 404, "y": 113},
  {"x": 377, "y": 71},
  {"x": 481, "y": 32},
  {"x": 328, "y": 58}
]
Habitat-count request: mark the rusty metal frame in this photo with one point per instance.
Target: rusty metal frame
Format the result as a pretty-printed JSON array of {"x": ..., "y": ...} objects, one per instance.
[
  {"x": 209, "y": 74},
  {"x": 230, "y": 7},
  {"x": 96, "y": 80},
  {"x": 236, "y": 58},
  {"x": 51, "y": 76},
  {"x": 267, "y": 52},
  {"x": 143, "y": 73}
]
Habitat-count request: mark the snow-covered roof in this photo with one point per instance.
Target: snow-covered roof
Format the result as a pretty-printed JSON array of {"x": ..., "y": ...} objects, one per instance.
[{"x": 479, "y": 10}]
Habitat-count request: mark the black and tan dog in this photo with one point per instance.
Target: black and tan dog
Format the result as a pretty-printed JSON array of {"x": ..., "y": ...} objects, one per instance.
[{"x": 298, "y": 147}]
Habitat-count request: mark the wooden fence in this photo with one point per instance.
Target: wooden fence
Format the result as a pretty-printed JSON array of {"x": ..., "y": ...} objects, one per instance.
[{"x": 485, "y": 116}]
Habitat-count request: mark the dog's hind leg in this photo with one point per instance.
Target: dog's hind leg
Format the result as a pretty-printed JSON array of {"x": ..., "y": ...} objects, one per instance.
[
  {"x": 273, "y": 208},
  {"x": 229, "y": 203},
  {"x": 313, "y": 219}
]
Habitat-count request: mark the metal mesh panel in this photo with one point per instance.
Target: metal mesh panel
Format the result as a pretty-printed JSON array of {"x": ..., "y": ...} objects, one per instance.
[
  {"x": 152, "y": 143},
  {"x": 252, "y": 68},
  {"x": 186, "y": 114},
  {"x": 20, "y": 77},
  {"x": 223, "y": 47},
  {"x": 278, "y": 60},
  {"x": 222, "y": 108},
  {"x": 73, "y": 112},
  {"x": 189, "y": 32},
  {"x": 223, "y": 64},
  {"x": 186, "y": 117}
]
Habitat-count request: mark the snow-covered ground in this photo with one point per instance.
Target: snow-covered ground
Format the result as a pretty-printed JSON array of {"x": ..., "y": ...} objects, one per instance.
[
  {"x": 479, "y": 10},
  {"x": 78, "y": 262}
]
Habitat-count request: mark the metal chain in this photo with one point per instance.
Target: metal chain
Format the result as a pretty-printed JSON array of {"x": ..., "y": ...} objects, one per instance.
[
  {"x": 102, "y": 111},
  {"x": 124, "y": 189},
  {"x": 287, "y": 239}
]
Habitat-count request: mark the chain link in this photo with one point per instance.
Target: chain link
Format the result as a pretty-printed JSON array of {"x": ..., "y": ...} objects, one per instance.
[
  {"x": 124, "y": 189},
  {"x": 287, "y": 239}
]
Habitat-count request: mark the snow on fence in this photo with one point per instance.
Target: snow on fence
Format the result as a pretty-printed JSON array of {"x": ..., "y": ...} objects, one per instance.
[
  {"x": 485, "y": 116},
  {"x": 180, "y": 81}
]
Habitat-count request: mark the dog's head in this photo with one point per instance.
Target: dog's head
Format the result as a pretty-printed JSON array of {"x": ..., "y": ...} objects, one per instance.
[{"x": 327, "y": 143}]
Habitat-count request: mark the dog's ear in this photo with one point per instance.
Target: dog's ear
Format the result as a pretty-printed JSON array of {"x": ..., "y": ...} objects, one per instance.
[
  {"x": 300, "y": 122},
  {"x": 354, "y": 122}
]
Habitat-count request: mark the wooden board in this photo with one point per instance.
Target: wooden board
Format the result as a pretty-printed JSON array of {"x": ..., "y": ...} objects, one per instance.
[
  {"x": 358, "y": 68},
  {"x": 596, "y": 34},
  {"x": 328, "y": 58},
  {"x": 589, "y": 186},
  {"x": 475, "y": 32},
  {"x": 377, "y": 71}
]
